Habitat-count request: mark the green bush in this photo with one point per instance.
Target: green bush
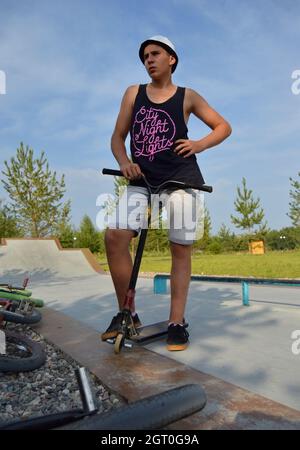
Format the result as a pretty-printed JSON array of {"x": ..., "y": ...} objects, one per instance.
[
  {"x": 287, "y": 238},
  {"x": 215, "y": 247}
]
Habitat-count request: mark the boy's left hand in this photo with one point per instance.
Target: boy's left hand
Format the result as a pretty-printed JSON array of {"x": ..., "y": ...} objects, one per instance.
[{"x": 186, "y": 147}]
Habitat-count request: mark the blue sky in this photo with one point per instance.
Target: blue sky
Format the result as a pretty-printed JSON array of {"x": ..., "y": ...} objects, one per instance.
[{"x": 68, "y": 63}]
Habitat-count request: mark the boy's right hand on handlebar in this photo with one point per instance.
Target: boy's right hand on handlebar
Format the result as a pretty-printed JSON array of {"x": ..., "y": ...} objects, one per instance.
[{"x": 131, "y": 171}]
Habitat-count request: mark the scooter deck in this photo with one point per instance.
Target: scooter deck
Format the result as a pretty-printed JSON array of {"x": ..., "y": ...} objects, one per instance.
[
  {"x": 147, "y": 333},
  {"x": 152, "y": 331}
]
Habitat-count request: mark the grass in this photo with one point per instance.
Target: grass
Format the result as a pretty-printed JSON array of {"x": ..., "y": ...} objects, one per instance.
[{"x": 273, "y": 264}]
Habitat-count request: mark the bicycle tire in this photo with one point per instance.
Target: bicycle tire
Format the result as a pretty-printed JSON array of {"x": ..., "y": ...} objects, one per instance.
[
  {"x": 33, "y": 317},
  {"x": 153, "y": 412},
  {"x": 11, "y": 296},
  {"x": 44, "y": 422},
  {"x": 36, "y": 358}
]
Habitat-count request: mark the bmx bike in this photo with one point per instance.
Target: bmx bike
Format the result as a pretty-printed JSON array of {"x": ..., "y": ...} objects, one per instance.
[
  {"x": 19, "y": 293},
  {"x": 18, "y": 353}
]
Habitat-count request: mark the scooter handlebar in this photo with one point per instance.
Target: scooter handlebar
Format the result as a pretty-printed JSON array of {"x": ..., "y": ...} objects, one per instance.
[{"x": 118, "y": 173}]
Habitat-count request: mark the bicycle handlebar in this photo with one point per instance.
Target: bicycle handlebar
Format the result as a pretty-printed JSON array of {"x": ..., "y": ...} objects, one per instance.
[{"x": 204, "y": 187}]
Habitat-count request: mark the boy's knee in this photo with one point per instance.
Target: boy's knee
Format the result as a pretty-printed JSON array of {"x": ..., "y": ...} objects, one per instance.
[
  {"x": 180, "y": 250},
  {"x": 111, "y": 237},
  {"x": 115, "y": 238}
]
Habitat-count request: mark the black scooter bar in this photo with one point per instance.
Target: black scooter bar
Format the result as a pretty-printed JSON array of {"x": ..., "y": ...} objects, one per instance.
[{"x": 204, "y": 187}]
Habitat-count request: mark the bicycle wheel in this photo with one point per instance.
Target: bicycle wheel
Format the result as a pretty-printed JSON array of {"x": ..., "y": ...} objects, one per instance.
[
  {"x": 30, "y": 317},
  {"x": 22, "y": 354},
  {"x": 149, "y": 413},
  {"x": 44, "y": 422}
]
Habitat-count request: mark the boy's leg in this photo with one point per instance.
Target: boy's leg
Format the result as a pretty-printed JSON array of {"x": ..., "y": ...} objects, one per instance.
[
  {"x": 180, "y": 280},
  {"x": 120, "y": 264},
  {"x": 124, "y": 224},
  {"x": 181, "y": 206},
  {"x": 119, "y": 260},
  {"x": 182, "y": 212},
  {"x": 178, "y": 337}
]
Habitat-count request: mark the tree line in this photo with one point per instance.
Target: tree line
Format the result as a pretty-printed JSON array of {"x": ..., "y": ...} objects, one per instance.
[{"x": 36, "y": 209}]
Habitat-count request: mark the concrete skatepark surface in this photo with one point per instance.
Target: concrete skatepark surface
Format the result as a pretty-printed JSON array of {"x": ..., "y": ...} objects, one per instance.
[{"x": 250, "y": 347}]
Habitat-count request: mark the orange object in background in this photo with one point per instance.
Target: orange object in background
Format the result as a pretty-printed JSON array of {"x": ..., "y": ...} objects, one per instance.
[{"x": 257, "y": 247}]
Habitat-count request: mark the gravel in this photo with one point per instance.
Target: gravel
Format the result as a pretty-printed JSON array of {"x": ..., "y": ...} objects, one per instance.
[{"x": 50, "y": 389}]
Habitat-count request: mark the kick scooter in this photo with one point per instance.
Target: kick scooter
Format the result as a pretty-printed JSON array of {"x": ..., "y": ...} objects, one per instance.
[{"x": 129, "y": 334}]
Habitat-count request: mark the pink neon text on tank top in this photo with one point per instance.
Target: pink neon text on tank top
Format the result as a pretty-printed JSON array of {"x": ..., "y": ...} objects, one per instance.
[{"x": 152, "y": 132}]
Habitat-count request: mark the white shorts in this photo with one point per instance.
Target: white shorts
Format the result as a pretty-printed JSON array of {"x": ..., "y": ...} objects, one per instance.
[{"x": 184, "y": 216}]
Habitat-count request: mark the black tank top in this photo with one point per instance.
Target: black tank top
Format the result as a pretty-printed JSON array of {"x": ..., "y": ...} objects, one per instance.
[{"x": 154, "y": 129}]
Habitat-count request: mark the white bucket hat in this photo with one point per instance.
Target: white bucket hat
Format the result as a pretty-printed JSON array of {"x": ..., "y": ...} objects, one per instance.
[{"x": 163, "y": 42}]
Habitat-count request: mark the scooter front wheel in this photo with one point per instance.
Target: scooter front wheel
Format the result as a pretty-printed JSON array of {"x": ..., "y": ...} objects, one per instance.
[{"x": 119, "y": 343}]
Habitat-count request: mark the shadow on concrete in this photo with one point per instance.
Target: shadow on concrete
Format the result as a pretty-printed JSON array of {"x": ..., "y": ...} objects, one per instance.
[
  {"x": 41, "y": 276},
  {"x": 215, "y": 315}
]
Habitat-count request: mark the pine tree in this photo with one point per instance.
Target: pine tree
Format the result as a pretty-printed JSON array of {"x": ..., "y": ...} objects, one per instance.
[
  {"x": 8, "y": 224},
  {"x": 224, "y": 232},
  {"x": 87, "y": 236},
  {"x": 202, "y": 242},
  {"x": 250, "y": 211},
  {"x": 120, "y": 183},
  {"x": 226, "y": 237},
  {"x": 294, "y": 205},
  {"x": 35, "y": 193},
  {"x": 66, "y": 234}
]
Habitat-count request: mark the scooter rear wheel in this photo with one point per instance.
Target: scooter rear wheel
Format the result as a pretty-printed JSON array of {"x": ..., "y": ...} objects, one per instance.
[{"x": 119, "y": 343}]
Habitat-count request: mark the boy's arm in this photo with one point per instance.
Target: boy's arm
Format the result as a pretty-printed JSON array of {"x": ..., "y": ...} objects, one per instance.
[
  {"x": 200, "y": 108},
  {"x": 122, "y": 127}
]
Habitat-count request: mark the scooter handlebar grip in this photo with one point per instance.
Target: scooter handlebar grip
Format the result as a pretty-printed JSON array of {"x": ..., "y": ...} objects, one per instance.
[
  {"x": 114, "y": 172},
  {"x": 206, "y": 188}
]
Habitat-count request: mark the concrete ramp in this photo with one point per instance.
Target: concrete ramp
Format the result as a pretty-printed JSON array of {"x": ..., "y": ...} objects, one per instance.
[{"x": 44, "y": 259}]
